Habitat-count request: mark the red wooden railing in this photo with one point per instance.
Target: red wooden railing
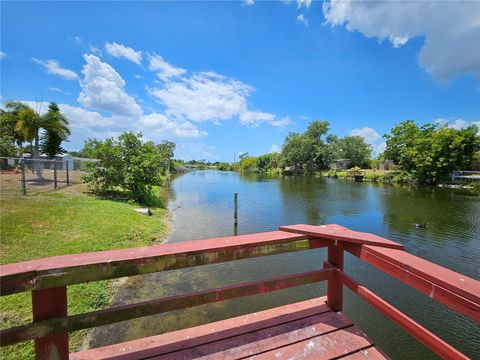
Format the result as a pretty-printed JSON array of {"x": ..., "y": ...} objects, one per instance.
[{"x": 48, "y": 278}]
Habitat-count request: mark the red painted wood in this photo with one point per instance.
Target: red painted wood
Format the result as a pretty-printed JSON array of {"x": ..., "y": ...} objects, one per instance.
[
  {"x": 260, "y": 341},
  {"x": 151, "y": 307},
  {"x": 463, "y": 285},
  {"x": 14, "y": 276},
  {"x": 334, "y": 287},
  {"x": 107, "y": 257},
  {"x": 338, "y": 233},
  {"x": 47, "y": 304},
  {"x": 416, "y": 330},
  {"x": 455, "y": 290},
  {"x": 196, "y": 336},
  {"x": 328, "y": 346},
  {"x": 371, "y": 353}
]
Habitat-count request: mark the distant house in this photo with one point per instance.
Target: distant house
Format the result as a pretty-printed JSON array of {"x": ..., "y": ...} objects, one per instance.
[
  {"x": 62, "y": 160},
  {"x": 340, "y": 164},
  {"x": 386, "y": 165}
]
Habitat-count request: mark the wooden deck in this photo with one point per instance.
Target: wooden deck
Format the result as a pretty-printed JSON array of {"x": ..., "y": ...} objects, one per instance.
[
  {"x": 315, "y": 329},
  {"x": 304, "y": 330}
]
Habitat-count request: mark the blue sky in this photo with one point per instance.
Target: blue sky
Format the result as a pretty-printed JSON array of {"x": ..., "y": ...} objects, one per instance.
[{"x": 220, "y": 78}]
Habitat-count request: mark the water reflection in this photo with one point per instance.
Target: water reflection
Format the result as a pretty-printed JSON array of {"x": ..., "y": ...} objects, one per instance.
[{"x": 202, "y": 207}]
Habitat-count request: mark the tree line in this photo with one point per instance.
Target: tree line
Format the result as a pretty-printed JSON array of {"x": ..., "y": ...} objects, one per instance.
[
  {"x": 313, "y": 150},
  {"x": 426, "y": 153}
]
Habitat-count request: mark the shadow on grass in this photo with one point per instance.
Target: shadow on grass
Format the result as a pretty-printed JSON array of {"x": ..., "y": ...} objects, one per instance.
[{"x": 157, "y": 198}]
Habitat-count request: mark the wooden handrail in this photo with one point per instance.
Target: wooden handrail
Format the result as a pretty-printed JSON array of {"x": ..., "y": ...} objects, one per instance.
[
  {"x": 459, "y": 292},
  {"x": 115, "y": 314},
  {"x": 48, "y": 280},
  {"x": 66, "y": 270}
]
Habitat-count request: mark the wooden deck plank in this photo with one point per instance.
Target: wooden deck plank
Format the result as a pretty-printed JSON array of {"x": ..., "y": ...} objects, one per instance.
[
  {"x": 371, "y": 353},
  {"x": 339, "y": 233},
  {"x": 329, "y": 346},
  {"x": 196, "y": 336},
  {"x": 264, "y": 340}
]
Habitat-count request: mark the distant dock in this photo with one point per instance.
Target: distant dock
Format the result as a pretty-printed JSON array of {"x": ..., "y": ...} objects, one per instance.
[{"x": 466, "y": 175}]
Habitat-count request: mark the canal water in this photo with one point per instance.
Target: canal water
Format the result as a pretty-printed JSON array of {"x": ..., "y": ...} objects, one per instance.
[{"x": 201, "y": 204}]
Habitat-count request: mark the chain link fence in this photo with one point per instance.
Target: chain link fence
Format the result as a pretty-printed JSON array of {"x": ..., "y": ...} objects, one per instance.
[{"x": 32, "y": 176}]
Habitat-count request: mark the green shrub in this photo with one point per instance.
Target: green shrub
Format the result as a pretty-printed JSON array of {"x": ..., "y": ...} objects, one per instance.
[{"x": 125, "y": 164}]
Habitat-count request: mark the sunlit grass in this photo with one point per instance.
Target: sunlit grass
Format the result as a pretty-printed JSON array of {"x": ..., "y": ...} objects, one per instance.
[{"x": 67, "y": 222}]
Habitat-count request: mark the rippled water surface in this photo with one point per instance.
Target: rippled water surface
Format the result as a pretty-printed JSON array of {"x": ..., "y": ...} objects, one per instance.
[{"x": 202, "y": 207}]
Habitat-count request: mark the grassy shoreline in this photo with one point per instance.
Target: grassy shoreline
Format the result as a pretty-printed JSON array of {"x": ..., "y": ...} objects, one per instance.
[{"x": 68, "y": 221}]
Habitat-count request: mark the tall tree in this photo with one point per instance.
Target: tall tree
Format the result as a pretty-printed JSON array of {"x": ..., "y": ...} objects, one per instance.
[
  {"x": 307, "y": 151},
  {"x": 9, "y": 120},
  {"x": 166, "y": 150},
  {"x": 29, "y": 124},
  {"x": 430, "y": 153},
  {"x": 56, "y": 131},
  {"x": 355, "y": 149}
]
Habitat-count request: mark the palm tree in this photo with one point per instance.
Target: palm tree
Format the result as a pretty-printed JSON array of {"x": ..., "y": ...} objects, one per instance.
[
  {"x": 30, "y": 122},
  {"x": 10, "y": 119}
]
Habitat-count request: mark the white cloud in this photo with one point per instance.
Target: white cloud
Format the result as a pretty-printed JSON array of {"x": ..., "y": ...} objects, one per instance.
[
  {"x": 209, "y": 96},
  {"x": 254, "y": 118},
  {"x": 2, "y": 55},
  {"x": 122, "y": 51},
  {"x": 248, "y": 2},
  {"x": 205, "y": 96},
  {"x": 188, "y": 151},
  {"x": 281, "y": 123},
  {"x": 370, "y": 135},
  {"x": 78, "y": 117},
  {"x": 451, "y": 30},
  {"x": 164, "y": 70},
  {"x": 380, "y": 148},
  {"x": 163, "y": 125},
  {"x": 138, "y": 77},
  {"x": 305, "y": 3},
  {"x": 457, "y": 124},
  {"x": 274, "y": 149},
  {"x": 103, "y": 89},
  {"x": 81, "y": 118},
  {"x": 55, "y": 89},
  {"x": 53, "y": 67},
  {"x": 302, "y": 19}
]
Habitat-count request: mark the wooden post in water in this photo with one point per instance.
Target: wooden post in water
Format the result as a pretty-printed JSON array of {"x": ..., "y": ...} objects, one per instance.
[
  {"x": 235, "y": 214},
  {"x": 24, "y": 184},
  {"x": 55, "y": 173},
  {"x": 68, "y": 178}
]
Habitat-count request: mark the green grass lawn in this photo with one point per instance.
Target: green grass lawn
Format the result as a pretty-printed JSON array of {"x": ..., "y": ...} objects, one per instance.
[{"x": 67, "y": 222}]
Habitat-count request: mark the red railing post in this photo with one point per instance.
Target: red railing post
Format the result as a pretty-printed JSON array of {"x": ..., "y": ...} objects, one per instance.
[
  {"x": 46, "y": 304},
  {"x": 335, "y": 286}
]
